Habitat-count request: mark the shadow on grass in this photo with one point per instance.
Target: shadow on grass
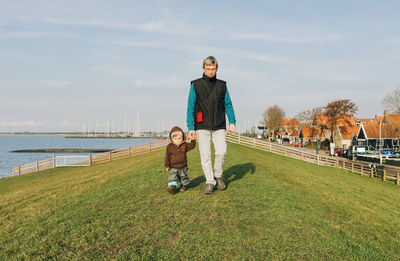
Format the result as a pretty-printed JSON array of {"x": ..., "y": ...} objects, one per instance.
[
  {"x": 197, "y": 181},
  {"x": 237, "y": 172},
  {"x": 230, "y": 175}
]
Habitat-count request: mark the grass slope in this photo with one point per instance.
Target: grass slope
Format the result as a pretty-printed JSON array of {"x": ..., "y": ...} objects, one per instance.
[{"x": 274, "y": 208}]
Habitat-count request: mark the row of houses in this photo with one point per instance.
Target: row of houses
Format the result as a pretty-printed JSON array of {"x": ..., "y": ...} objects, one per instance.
[{"x": 378, "y": 133}]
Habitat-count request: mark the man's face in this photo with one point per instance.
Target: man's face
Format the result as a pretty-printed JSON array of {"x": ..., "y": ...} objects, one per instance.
[
  {"x": 210, "y": 70},
  {"x": 177, "y": 140}
]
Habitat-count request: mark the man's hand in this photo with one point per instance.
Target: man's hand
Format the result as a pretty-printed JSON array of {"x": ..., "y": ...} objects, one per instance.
[
  {"x": 192, "y": 135},
  {"x": 167, "y": 169},
  {"x": 232, "y": 128}
]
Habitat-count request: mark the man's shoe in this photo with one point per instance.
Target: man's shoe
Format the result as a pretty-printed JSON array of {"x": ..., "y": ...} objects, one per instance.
[
  {"x": 209, "y": 188},
  {"x": 171, "y": 189},
  {"x": 183, "y": 188},
  {"x": 220, "y": 184}
]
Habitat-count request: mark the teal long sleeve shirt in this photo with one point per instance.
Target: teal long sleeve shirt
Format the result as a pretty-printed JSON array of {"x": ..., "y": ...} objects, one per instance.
[{"x": 192, "y": 102}]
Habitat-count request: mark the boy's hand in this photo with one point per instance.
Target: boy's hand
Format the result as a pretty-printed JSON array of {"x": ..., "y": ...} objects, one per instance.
[
  {"x": 192, "y": 135},
  {"x": 167, "y": 169}
]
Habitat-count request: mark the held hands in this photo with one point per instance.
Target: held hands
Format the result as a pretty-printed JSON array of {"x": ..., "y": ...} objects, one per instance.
[
  {"x": 192, "y": 135},
  {"x": 232, "y": 128}
]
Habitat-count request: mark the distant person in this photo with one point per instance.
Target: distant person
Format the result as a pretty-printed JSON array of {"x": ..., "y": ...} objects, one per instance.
[
  {"x": 208, "y": 103},
  {"x": 175, "y": 159}
]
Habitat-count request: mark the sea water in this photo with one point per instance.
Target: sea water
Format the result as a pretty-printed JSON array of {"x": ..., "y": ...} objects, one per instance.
[{"x": 9, "y": 143}]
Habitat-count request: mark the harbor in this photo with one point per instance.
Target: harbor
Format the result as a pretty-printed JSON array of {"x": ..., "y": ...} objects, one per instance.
[{"x": 20, "y": 149}]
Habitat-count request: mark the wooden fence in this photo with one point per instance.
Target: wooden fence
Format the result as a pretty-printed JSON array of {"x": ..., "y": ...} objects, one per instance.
[
  {"x": 389, "y": 173},
  {"x": 95, "y": 158}
]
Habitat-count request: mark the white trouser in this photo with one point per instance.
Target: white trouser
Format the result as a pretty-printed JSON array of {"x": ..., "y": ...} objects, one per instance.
[{"x": 218, "y": 138}]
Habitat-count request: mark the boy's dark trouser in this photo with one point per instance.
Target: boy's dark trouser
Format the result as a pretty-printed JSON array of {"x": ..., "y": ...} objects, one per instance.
[{"x": 176, "y": 175}]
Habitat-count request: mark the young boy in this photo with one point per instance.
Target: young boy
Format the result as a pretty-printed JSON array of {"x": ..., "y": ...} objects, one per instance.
[{"x": 175, "y": 159}]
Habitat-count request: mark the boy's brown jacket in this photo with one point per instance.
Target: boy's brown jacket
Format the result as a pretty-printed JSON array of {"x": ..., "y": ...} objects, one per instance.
[{"x": 175, "y": 156}]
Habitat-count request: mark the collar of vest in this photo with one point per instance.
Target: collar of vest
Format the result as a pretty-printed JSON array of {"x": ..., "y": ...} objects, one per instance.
[{"x": 210, "y": 79}]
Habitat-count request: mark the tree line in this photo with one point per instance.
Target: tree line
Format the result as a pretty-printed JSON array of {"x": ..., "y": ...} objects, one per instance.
[{"x": 274, "y": 115}]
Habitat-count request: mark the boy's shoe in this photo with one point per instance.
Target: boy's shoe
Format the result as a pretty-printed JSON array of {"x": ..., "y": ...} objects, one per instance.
[
  {"x": 220, "y": 184},
  {"x": 183, "y": 187},
  {"x": 209, "y": 188},
  {"x": 171, "y": 189}
]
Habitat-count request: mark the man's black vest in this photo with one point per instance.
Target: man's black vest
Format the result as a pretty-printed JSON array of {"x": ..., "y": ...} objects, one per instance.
[{"x": 209, "y": 110}]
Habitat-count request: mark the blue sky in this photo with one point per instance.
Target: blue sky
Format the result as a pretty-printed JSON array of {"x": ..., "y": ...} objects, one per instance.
[{"x": 67, "y": 65}]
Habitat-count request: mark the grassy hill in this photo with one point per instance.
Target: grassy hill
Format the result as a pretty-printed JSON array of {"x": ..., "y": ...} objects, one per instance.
[{"x": 274, "y": 208}]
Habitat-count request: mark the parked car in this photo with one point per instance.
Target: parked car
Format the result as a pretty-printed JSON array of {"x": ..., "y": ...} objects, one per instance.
[
  {"x": 338, "y": 152},
  {"x": 297, "y": 145}
]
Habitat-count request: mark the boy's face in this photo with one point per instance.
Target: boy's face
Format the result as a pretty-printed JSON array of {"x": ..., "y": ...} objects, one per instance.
[{"x": 177, "y": 140}]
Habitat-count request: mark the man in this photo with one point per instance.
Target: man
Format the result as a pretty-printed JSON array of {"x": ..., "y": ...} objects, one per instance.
[{"x": 208, "y": 103}]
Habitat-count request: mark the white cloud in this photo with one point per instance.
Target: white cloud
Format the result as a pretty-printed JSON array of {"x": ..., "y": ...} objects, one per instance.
[
  {"x": 394, "y": 44},
  {"x": 393, "y": 40},
  {"x": 280, "y": 38},
  {"x": 18, "y": 56},
  {"x": 260, "y": 56},
  {"x": 139, "y": 83},
  {"x": 23, "y": 34},
  {"x": 18, "y": 124},
  {"x": 114, "y": 69},
  {"x": 56, "y": 83},
  {"x": 239, "y": 53},
  {"x": 330, "y": 76},
  {"x": 396, "y": 52},
  {"x": 132, "y": 43},
  {"x": 69, "y": 124},
  {"x": 152, "y": 26},
  {"x": 139, "y": 44},
  {"x": 98, "y": 23}
]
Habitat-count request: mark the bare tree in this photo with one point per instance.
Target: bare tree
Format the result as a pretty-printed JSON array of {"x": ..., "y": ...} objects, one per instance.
[
  {"x": 273, "y": 117},
  {"x": 335, "y": 109},
  {"x": 392, "y": 101},
  {"x": 309, "y": 116}
]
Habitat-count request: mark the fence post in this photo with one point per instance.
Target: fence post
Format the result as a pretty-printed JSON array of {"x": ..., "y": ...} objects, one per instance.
[
  {"x": 19, "y": 170},
  {"x": 254, "y": 143},
  {"x": 130, "y": 151},
  {"x": 337, "y": 163},
  {"x": 372, "y": 172},
  {"x": 384, "y": 175},
  {"x": 109, "y": 156},
  {"x": 270, "y": 147},
  {"x": 37, "y": 166},
  {"x": 317, "y": 159},
  {"x": 54, "y": 161},
  {"x": 302, "y": 155},
  {"x": 344, "y": 164},
  {"x": 397, "y": 179},
  {"x": 361, "y": 170},
  {"x": 150, "y": 146},
  {"x": 352, "y": 167},
  {"x": 90, "y": 160},
  {"x": 239, "y": 138}
]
